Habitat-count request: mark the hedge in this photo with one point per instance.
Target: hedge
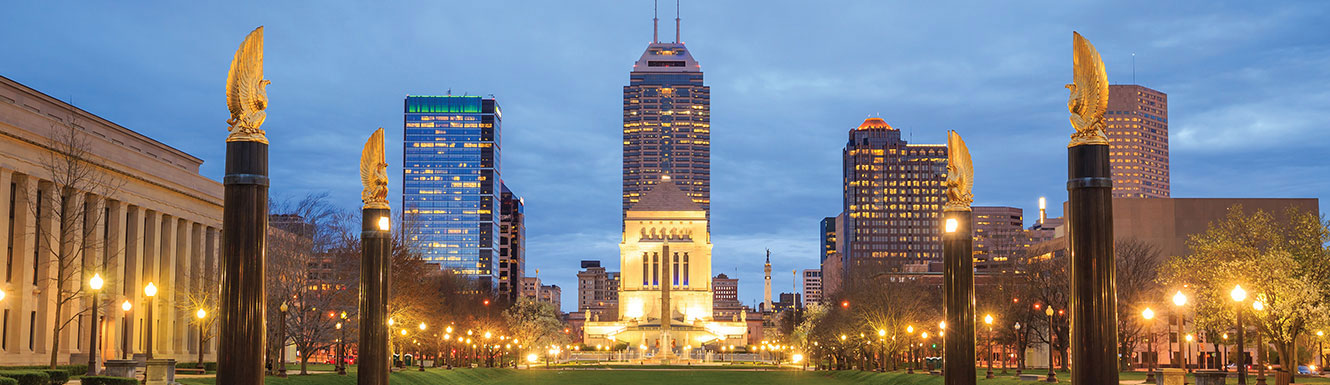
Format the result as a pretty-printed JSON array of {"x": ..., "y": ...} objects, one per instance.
[
  {"x": 8, "y": 381},
  {"x": 106, "y": 380},
  {"x": 74, "y": 370},
  {"x": 208, "y": 366},
  {"x": 27, "y": 377}
]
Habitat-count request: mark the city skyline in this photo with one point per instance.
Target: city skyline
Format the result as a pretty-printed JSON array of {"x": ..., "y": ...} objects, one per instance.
[{"x": 779, "y": 122}]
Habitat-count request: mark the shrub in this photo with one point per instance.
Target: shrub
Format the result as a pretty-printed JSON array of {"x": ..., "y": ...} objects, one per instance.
[
  {"x": 58, "y": 376},
  {"x": 8, "y": 381},
  {"x": 27, "y": 377},
  {"x": 106, "y": 380},
  {"x": 209, "y": 366}
]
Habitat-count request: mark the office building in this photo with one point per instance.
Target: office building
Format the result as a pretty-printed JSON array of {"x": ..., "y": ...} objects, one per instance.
[
  {"x": 833, "y": 246},
  {"x": 812, "y": 287},
  {"x": 512, "y": 243},
  {"x": 999, "y": 236},
  {"x": 725, "y": 302},
  {"x": 597, "y": 291},
  {"x": 893, "y": 199},
  {"x": 160, "y": 221},
  {"x": 788, "y": 301},
  {"x": 450, "y": 181},
  {"x": 667, "y": 124},
  {"x": 1137, "y": 127}
]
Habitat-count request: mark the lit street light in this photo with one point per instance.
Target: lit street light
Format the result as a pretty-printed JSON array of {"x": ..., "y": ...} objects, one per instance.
[
  {"x": 1239, "y": 296},
  {"x": 1149, "y": 315},
  {"x": 96, "y": 285},
  {"x": 1179, "y": 300},
  {"x": 124, "y": 334},
  {"x": 201, "y": 314},
  {"x": 1259, "y": 306},
  {"x": 988, "y": 320},
  {"x": 149, "y": 292},
  {"x": 1052, "y": 377}
]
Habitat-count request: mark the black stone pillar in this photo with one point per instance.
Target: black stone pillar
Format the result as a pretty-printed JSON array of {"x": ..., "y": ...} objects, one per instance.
[
  {"x": 376, "y": 246},
  {"x": 958, "y": 285},
  {"x": 242, "y": 331},
  {"x": 1094, "y": 321}
]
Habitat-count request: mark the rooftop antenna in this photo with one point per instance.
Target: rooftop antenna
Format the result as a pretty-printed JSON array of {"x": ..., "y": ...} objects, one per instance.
[
  {"x": 655, "y": 21},
  {"x": 676, "y": 22},
  {"x": 1133, "y": 68}
]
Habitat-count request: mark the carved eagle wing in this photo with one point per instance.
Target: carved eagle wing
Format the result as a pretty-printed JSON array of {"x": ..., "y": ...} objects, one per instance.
[
  {"x": 959, "y": 165},
  {"x": 371, "y": 160},
  {"x": 244, "y": 84},
  {"x": 1091, "y": 83}
]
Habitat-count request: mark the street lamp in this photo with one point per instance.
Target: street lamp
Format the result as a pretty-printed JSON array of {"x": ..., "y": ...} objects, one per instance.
[
  {"x": 1149, "y": 344},
  {"x": 1020, "y": 364},
  {"x": 988, "y": 320},
  {"x": 281, "y": 340},
  {"x": 149, "y": 292},
  {"x": 1052, "y": 377},
  {"x": 1179, "y": 300},
  {"x": 341, "y": 347},
  {"x": 124, "y": 334},
  {"x": 201, "y": 314},
  {"x": 914, "y": 357},
  {"x": 422, "y": 362},
  {"x": 96, "y": 285},
  {"x": 1320, "y": 347},
  {"x": 1259, "y": 306},
  {"x": 1239, "y": 296}
]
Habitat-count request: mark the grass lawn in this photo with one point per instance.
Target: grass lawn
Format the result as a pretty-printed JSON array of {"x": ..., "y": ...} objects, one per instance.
[{"x": 677, "y": 375}]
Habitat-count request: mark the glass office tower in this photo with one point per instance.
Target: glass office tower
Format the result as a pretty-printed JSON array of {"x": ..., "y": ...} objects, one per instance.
[
  {"x": 667, "y": 125},
  {"x": 450, "y": 181}
]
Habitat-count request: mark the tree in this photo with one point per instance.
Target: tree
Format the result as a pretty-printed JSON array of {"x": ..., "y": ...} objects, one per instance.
[
  {"x": 1137, "y": 281},
  {"x": 202, "y": 295},
  {"x": 68, "y": 241},
  {"x": 535, "y": 324},
  {"x": 1282, "y": 261}
]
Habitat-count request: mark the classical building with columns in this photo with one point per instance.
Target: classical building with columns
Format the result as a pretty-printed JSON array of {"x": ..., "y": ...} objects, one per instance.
[{"x": 161, "y": 224}]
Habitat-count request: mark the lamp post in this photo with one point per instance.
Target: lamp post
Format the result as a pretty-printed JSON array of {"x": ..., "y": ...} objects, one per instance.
[
  {"x": 281, "y": 340},
  {"x": 96, "y": 285},
  {"x": 148, "y": 292},
  {"x": 988, "y": 320},
  {"x": 1185, "y": 359},
  {"x": 201, "y": 315},
  {"x": 1052, "y": 377},
  {"x": 1149, "y": 315},
  {"x": 1239, "y": 296},
  {"x": 341, "y": 347},
  {"x": 882, "y": 357},
  {"x": 1180, "y": 299},
  {"x": 1259, "y": 306},
  {"x": 376, "y": 245},
  {"x": 1020, "y": 363},
  {"x": 422, "y": 362},
  {"x": 124, "y": 330},
  {"x": 912, "y": 356}
]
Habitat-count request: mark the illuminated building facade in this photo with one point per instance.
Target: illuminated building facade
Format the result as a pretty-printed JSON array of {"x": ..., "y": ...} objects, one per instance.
[
  {"x": 812, "y": 287},
  {"x": 1137, "y": 128},
  {"x": 894, "y": 193},
  {"x": 999, "y": 236},
  {"x": 597, "y": 291},
  {"x": 512, "y": 243},
  {"x": 665, "y": 291},
  {"x": 667, "y": 125},
  {"x": 450, "y": 181}
]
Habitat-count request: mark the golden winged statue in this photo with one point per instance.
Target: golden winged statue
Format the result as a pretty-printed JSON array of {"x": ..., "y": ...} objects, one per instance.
[
  {"x": 960, "y": 174},
  {"x": 246, "y": 95},
  {"x": 374, "y": 173},
  {"x": 1089, "y": 94}
]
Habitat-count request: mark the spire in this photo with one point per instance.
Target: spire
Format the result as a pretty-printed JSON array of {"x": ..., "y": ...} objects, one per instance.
[
  {"x": 680, "y": 40},
  {"x": 768, "y": 256},
  {"x": 655, "y": 21}
]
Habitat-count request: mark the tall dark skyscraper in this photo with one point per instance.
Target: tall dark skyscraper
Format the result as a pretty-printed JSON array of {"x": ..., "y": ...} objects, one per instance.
[
  {"x": 1137, "y": 120},
  {"x": 894, "y": 193},
  {"x": 667, "y": 124},
  {"x": 512, "y": 243},
  {"x": 450, "y": 181}
]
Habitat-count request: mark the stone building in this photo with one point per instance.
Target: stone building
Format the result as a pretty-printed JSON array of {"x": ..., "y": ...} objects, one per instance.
[{"x": 160, "y": 224}]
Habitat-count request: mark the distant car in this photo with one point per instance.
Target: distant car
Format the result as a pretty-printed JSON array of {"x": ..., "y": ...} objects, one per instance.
[{"x": 1303, "y": 369}]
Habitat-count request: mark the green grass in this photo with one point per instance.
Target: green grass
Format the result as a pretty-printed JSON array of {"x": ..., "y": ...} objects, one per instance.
[{"x": 671, "y": 375}]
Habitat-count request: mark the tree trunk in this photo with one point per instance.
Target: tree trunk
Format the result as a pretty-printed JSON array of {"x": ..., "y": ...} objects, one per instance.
[
  {"x": 55, "y": 331},
  {"x": 304, "y": 363}
]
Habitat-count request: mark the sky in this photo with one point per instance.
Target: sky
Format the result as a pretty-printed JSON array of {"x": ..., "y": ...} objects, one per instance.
[{"x": 1246, "y": 81}]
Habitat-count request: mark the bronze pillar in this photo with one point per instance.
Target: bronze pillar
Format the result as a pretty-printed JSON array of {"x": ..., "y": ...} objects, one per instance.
[
  {"x": 958, "y": 283},
  {"x": 376, "y": 246},
  {"x": 1094, "y": 334},
  {"x": 241, "y": 323}
]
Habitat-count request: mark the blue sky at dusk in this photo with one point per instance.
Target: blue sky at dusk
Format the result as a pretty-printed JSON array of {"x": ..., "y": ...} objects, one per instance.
[{"x": 1248, "y": 86}]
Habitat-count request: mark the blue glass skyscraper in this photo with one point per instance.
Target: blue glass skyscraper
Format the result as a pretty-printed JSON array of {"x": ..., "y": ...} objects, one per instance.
[{"x": 450, "y": 181}]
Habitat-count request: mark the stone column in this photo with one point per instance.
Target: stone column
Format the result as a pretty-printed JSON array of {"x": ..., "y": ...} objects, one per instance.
[
  {"x": 164, "y": 305},
  {"x": 240, "y": 319},
  {"x": 1094, "y": 332},
  {"x": 958, "y": 287},
  {"x": 376, "y": 246}
]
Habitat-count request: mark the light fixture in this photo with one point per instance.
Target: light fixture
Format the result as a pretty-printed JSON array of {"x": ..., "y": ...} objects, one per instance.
[
  {"x": 201, "y": 314},
  {"x": 988, "y": 319},
  {"x": 150, "y": 290},
  {"x": 1179, "y": 298},
  {"x": 383, "y": 223},
  {"x": 952, "y": 225},
  {"x": 96, "y": 282},
  {"x": 1148, "y": 314},
  {"x": 1238, "y": 294},
  {"x": 125, "y": 306}
]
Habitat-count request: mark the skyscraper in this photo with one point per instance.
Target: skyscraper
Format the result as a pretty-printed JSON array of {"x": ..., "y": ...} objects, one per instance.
[
  {"x": 450, "y": 181},
  {"x": 812, "y": 287},
  {"x": 1137, "y": 128},
  {"x": 999, "y": 236},
  {"x": 667, "y": 124},
  {"x": 512, "y": 243},
  {"x": 893, "y": 199}
]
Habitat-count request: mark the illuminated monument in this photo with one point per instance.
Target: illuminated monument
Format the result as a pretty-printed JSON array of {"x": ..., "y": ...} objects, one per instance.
[{"x": 665, "y": 288}]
